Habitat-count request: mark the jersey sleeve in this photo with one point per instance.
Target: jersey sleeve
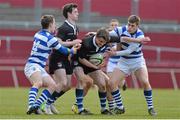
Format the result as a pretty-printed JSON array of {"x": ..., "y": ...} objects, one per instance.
[
  {"x": 128, "y": 51},
  {"x": 61, "y": 33},
  {"x": 116, "y": 32},
  {"x": 82, "y": 52},
  {"x": 139, "y": 34},
  {"x": 53, "y": 43}
]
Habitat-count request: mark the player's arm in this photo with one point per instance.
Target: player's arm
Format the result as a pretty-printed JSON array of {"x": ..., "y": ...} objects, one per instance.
[
  {"x": 118, "y": 33},
  {"x": 69, "y": 43},
  {"x": 61, "y": 33},
  {"x": 87, "y": 63},
  {"x": 128, "y": 51},
  {"x": 53, "y": 43},
  {"x": 82, "y": 56},
  {"x": 137, "y": 40}
]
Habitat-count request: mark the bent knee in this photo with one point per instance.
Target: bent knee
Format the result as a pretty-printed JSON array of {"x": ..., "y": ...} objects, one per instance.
[
  {"x": 102, "y": 87},
  {"x": 38, "y": 84}
]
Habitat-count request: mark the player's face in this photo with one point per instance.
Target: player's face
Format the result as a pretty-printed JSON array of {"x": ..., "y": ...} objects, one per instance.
[
  {"x": 52, "y": 26},
  {"x": 74, "y": 15},
  {"x": 114, "y": 25},
  {"x": 132, "y": 27},
  {"x": 100, "y": 42}
]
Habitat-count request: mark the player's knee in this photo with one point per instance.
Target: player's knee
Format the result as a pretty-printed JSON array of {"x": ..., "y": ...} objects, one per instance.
[
  {"x": 110, "y": 85},
  {"x": 52, "y": 85},
  {"x": 146, "y": 86},
  {"x": 68, "y": 87},
  {"x": 89, "y": 82},
  {"x": 63, "y": 86},
  {"x": 38, "y": 84},
  {"x": 102, "y": 87}
]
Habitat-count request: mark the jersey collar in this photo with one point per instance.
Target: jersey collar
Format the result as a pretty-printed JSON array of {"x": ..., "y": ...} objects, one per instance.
[
  {"x": 94, "y": 43},
  {"x": 70, "y": 24}
]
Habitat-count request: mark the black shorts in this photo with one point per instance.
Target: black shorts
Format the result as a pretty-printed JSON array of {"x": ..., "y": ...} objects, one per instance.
[{"x": 58, "y": 62}]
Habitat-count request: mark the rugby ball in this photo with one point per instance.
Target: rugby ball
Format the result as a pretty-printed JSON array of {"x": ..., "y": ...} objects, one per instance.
[{"x": 96, "y": 59}]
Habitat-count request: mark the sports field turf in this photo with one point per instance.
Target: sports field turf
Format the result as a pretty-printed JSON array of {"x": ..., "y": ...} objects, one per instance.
[{"x": 13, "y": 104}]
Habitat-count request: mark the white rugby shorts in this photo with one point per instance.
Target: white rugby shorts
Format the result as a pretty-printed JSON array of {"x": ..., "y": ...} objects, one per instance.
[
  {"x": 130, "y": 65},
  {"x": 110, "y": 66},
  {"x": 31, "y": 68}
]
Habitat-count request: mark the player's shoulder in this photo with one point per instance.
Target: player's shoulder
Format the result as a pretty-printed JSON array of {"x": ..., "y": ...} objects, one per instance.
[
  {"x": 88, "y": 41},
  {"x": 139, "y": 32},
  {"x": 49, "y": 36},
  {"x": 88, "y": 38},
  {"x": 64, "y": 26}
]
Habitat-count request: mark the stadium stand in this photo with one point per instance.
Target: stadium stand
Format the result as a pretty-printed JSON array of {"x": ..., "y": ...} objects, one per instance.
[
  {"x": 55, "y": 4},
  {"x": 164, "y": 39},
  {"x": 159, "y": 10},
  {"x": 121, "y": 7},
  {"x": 161, "y": 53},
  {"x": 156, "y": 80},
  {"x": 7, "y": 79},
  {"x": 177, "y": 75},
  {"x": 19, "y": 51}
]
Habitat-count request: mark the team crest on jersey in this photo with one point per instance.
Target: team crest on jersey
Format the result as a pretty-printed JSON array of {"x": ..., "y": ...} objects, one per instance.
[{"x": 59, "y": 64}]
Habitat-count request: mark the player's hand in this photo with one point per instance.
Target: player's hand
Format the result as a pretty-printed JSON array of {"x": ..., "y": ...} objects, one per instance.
[
  {"x": 90, "y": 33},
  {"x": 103, "y": 64},
  {"x": 76, "y": 47},
  {"x": 77, "y": 41},
  {"x": 144, "y": 40},
  {"x": 111, "y": 52},
  {"x": 69, "y": 57},
  {"x": 74, "y": 50}
]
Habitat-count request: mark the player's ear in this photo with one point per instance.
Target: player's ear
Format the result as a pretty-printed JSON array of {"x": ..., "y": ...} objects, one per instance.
[{"x": 50, "y": 25}]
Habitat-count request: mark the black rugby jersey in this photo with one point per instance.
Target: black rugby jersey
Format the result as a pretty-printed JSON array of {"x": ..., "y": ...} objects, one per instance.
[
  {"x": 66, "y": 32},
  {"x": 88, "y": 48}
]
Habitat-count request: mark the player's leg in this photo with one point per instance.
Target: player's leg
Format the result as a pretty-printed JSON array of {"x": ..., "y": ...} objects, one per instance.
[
  {"x": 83, "y": 81},
  {"x": 33, "y": 73},
  {"x": 111, "y": 102},
  {"x": 113, "y": 84},
  {"x": 48, "y": 82},
  {"x": 50, "y": 85},
  {"x": 62, "y": 86},
  {"x": 123, "y": 85},
  {"x": 142, "y": 75},
  {"x": 100, "y": 81},
  {"x": 109, "y": 69},
  {"x": 62, "y": 76}
]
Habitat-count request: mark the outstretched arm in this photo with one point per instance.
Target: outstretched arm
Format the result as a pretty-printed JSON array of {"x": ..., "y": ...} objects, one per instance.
[
  {"x": 69, "y": 43},
  {"x": 128, "y": 51},
  {"x": 53, "y": 43},
  {"x": 142, "y": 40}
]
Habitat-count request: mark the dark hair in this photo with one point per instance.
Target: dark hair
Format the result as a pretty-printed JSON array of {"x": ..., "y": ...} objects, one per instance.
[
  {"x": 103, "y": 33},
  {"x": 46, "y": 20},
  {"x": 68, "y": 8},
  {"x": 134, "y": 19}
]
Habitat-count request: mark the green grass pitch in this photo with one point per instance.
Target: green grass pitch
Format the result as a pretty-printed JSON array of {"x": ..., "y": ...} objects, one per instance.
[{"x": 13, "y": 105}]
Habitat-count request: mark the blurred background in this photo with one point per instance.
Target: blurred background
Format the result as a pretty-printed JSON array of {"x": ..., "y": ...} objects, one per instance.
[{"x": 19, "y": 20}]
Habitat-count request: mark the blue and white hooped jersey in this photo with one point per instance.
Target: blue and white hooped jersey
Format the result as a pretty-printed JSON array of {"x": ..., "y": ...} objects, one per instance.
[
  {"x": 122, "y": 31},
  {"x": 42, "y": 46},
  {"x": 114, "y": 59}
]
